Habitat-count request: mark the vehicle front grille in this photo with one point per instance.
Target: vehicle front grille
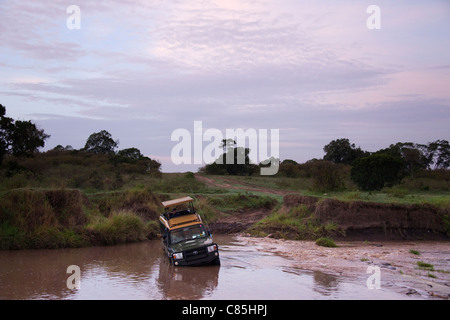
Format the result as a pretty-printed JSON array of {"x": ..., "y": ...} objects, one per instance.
[{"x": 196, "y": 254}]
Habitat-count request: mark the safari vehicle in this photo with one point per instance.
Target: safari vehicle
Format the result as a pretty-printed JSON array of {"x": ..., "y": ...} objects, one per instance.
[{"x": 185, "y": 239}]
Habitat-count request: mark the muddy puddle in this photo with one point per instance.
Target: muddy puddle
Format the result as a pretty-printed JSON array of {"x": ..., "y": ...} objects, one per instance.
[{"x": 248, "y": 270}]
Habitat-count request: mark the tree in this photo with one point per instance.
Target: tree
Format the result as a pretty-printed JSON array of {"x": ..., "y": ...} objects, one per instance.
[
  {"x": 240, "y": 163},
  {"x": 226, "y": 143},
  {"x": 413, "y": 155},
  {"x": 438, "y": 153},
  {"x": 26, "y": 138},
  {"x": 376, "y": 171},
  {"x": 237, "y": 168},
  {"x": 342, "y": 151},
  {"x": 130, "y": 154},
  {"x": 101, "y": 143},
  {"x": 6, "y": 125},
  {"x": 289, "y": 168},
  {"x": 153, "y": 166},
  {"x": 19, "y": 138}
]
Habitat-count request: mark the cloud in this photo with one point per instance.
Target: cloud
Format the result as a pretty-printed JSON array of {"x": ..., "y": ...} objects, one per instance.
[{"x": 145, "y": 68}]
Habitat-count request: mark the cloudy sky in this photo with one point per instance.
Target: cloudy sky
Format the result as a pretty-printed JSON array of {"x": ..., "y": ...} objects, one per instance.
[{"x": 312, "y": 69}]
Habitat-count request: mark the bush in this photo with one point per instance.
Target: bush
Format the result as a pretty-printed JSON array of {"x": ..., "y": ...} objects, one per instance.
[
  {"x": 327, "y": 176},
  {"x": 376, "y": 171},
  {"x": 326, "y": 242}
]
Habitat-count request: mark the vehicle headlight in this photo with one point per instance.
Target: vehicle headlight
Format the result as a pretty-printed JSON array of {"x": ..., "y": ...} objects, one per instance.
[
  {"x": 178, "y": 255},
  {"x": 212, "y": 248}
]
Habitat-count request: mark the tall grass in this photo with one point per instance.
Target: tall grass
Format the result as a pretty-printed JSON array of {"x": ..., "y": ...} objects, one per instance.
[
  {"x": 120, "y": 227},
  {"x": 67, "y": 218}
]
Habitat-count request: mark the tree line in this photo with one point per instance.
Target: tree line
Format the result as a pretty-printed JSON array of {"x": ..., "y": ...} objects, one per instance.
[
  {"x": 22, "y": 139},
  {"x": 368, "y": 170},
  {"x": 372, "y": 170}
]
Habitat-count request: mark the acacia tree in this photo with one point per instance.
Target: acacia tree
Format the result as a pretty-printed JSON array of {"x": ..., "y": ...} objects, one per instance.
[{"x": 101, "y": 143}]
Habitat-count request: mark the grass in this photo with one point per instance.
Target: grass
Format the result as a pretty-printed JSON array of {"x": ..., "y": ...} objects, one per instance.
[
  {"x": 299, "y": 224},
  {"x": 31, "y": 219},
  {"x": 120, "y": 227},
  {"x": 425, "y": 266},
  {"x": 417, "y": 253},
  {"x": 409, "y": 192}
]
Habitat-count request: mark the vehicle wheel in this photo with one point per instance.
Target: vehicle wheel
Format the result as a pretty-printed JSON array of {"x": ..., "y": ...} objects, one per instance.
[{"x": 216, "y": 262}]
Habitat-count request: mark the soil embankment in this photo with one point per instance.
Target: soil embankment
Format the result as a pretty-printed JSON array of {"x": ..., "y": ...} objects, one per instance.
[
  {"x": 366, "y": 220},
  {"x": 238, "y": 222}
]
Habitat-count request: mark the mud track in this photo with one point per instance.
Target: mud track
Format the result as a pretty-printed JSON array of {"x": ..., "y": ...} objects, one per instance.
[
  {"x": 244, "y": 219},
  {"x": 227, "y": 183}
]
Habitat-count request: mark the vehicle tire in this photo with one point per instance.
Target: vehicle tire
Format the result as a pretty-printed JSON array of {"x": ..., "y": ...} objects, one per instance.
[{"x": 216, "y": 262}]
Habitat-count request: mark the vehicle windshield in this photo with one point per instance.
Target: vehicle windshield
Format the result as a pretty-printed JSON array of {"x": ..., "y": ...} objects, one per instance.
[{"x": 188, "y": 233}]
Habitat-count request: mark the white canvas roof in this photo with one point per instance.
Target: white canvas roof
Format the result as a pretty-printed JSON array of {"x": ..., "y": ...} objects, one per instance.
[{"x": 176, "y": 202}]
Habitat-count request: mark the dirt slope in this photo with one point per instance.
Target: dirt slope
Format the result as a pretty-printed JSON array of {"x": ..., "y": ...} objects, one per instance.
[{"x": 376, "y": 220}]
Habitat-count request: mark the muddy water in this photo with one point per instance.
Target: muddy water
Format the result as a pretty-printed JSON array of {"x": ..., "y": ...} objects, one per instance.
[{"x": 140, "y": 271}]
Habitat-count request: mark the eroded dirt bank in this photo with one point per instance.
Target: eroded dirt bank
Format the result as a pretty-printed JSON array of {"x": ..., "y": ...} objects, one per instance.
[
  {"x": 376, "y": 221},
  {"x": 399, "y": 269}
]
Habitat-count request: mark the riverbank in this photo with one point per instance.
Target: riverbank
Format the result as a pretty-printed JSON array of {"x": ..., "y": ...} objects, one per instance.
[
  {"x": 301, "y": 217},
  {"x": 68, "y": 218},
  {"x": 35, "y": 218},
  {"x": 416, "y": 269}
]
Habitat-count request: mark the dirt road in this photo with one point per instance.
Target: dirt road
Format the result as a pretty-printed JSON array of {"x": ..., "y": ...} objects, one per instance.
[{"x": 228, "y": 183}]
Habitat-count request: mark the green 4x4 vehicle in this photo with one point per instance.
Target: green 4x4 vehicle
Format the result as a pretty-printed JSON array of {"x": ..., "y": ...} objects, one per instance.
[{"x": 185, "y": 239}]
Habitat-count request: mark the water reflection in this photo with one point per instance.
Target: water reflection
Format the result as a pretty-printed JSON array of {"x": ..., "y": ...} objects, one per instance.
[
  {"x": 134, "y": 271},
  {"x": 325, "y": 284},
  {"x": 42, "y": 274},
  {"x": 187, "y": 282}
]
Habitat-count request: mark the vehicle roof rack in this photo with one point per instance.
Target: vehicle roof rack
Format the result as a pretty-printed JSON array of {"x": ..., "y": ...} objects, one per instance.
[{"x": 176, "y": 202}]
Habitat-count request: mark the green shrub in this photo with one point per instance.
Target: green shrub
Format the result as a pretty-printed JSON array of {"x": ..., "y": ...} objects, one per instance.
[
  {"x": 327, "y": 176},
  {"x": 376, "y": 171},
  {"x": 326, "y": 242}
]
